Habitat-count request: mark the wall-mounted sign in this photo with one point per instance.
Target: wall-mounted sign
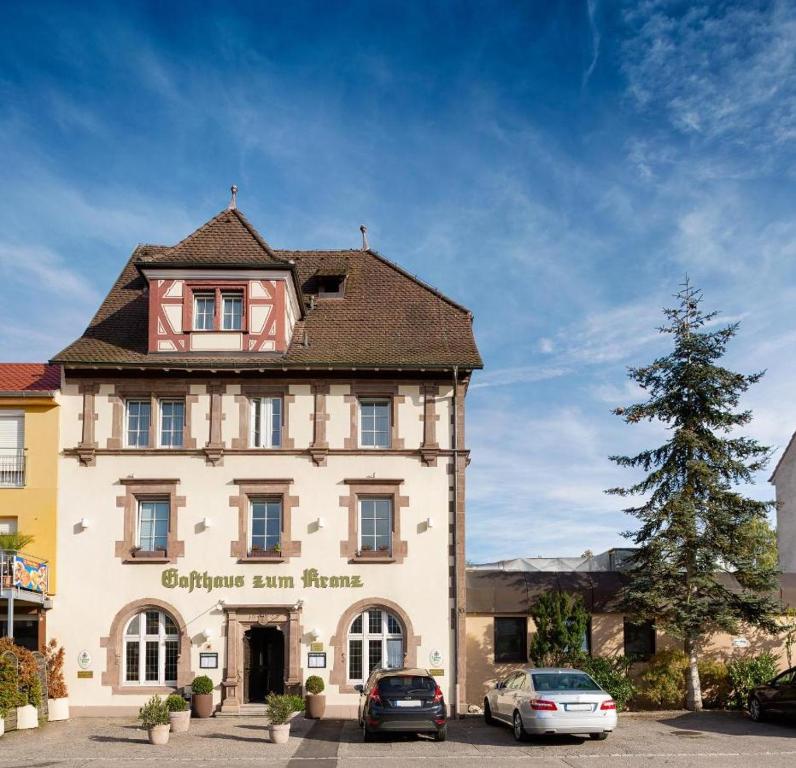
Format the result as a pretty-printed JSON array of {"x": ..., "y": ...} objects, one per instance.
[
  {"x": 316, "y": 647},
  {"x": 84, "y": 659},
  {"x": 435, "y": 657},
  {"x": 171, "y": 578},
  {"x": 740, "y": 642},
  {"x": 436, "y": 672},
  {"x": 316, "y": 660},
  {"x": 208, "y": 661},
  {"x": 85, "y": 674}
]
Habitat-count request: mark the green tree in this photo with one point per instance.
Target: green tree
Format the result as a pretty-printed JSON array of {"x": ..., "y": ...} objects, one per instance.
[
  {"x": 694, "y": 519},
  {"x": 561, "y": 622}
]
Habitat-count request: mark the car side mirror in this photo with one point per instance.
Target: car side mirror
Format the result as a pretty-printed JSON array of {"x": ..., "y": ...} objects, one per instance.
[{"x": 359, "y": 688}]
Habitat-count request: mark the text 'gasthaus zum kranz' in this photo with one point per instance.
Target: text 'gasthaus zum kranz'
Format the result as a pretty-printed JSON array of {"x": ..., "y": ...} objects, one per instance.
[{"x": 310, "y": 579}]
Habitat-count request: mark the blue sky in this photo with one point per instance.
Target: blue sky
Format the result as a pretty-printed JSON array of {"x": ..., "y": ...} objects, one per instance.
[{"x": 557, "y": 167}]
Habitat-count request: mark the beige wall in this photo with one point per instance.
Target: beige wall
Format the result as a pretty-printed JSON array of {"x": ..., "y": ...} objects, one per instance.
[
  {"x": 96, "y": 585},
  {"x": 784, "y": 480}
]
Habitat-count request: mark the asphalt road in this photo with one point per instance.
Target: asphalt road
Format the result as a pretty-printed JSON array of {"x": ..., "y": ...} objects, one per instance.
[{"x": 679, "y": 739}]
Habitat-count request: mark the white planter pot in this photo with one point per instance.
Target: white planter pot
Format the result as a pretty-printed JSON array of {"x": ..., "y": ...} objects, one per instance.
[
  {"x": 159, "y": 734},
  {"x": 279, "y": 733},
  {"x": 57, "y": 709},
  {"x": 2, "y": 726},
  {"x": 180, "y": 721},
  {"x": 27, "y": 717}
]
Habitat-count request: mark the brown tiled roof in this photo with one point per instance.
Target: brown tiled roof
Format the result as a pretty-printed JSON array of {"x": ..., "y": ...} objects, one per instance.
[
  {"x": 386, "y": 318},
  {"x": 29, "y": 377}
]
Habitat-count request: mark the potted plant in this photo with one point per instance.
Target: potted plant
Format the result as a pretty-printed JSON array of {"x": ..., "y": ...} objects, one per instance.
[
  {"x": 28, "y": 684},
  {"x": 57, "y": 702},
  {"x": 315, "y": 701},
  {"x": 279, "y": 707},
  {"x": 179, "y": 714},
  {"x": 154, "y": 716},
  {"x": 202, "y": 696}
]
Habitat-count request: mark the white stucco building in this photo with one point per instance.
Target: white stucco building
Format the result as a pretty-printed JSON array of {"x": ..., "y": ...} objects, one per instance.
[
  {"x": 784, "y": 480},
  {"x": 261, "y": 475}
]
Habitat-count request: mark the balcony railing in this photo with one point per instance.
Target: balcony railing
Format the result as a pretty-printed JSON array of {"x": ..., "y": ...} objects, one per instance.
[
  {"x": 21, "y": 571},
  {"x": 12, "y": 468}
]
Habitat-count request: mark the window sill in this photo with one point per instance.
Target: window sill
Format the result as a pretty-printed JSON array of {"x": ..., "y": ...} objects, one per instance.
[
  {"x": 263, "y": 557},
  {"x": 376, "y": 557},
  {"x": 141, "y": 690},
  {"x": 141, "y": 556}
]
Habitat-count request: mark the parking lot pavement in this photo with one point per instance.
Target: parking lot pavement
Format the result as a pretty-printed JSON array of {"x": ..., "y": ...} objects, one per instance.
[{"x": 680, "y": 740}]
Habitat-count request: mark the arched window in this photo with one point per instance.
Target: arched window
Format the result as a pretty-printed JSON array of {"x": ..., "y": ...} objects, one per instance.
[
  {"x": 151, "y": 648},
  {"x": 375, "y": 639}
]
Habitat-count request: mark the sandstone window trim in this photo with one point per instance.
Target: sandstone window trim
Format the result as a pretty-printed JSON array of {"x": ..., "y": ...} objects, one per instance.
[
  {"x": 252, "y": 489},
  {"x": 249, "y": 392},
  {"x": 361, "y": 488},
  {"x": 135, "y": 491},
  {"x": 373, "y": 390}
]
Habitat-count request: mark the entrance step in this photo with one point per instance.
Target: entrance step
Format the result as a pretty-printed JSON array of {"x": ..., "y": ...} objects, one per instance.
[{"x": 246, "y": 710}]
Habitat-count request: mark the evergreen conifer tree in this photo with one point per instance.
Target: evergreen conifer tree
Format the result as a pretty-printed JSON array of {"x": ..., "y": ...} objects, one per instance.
[
  {"x": 696, "y": 525},
  {"x": 561, "y": 621}
]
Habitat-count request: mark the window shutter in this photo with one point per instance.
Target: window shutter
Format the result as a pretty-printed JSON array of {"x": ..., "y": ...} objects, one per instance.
[{"x": 11, "y": 432}]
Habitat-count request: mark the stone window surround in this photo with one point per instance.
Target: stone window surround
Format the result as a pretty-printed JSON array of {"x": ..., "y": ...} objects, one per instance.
[
  {"x": 114, "y": 644},
  {"x": 338, "y": 674},
  {"x": 218, "y": 288},
  {"x": 141, "y": 489},
  {"x": 154, "y": 392},
  {"x": 349, "y": 547},
  {"x": 247, "y": 392},
  {"x": 378, "y": 391},
  {"x": 249, "y": 489}
]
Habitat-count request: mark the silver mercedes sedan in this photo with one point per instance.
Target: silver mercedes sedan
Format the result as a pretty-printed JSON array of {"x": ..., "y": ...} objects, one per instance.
[{"x": 537, "y": 702}]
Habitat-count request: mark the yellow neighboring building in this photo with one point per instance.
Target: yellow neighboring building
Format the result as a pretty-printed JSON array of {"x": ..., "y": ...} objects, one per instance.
[{"x": 28, "y": 497}]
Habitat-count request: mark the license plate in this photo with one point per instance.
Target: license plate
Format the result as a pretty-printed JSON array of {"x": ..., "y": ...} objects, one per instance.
[
  {"x": 579, "y": 707},
  {"x": 408, "y": 703}
]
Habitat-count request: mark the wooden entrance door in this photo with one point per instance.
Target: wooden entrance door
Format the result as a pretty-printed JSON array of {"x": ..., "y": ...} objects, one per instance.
[{"x": 265, "y": 663}]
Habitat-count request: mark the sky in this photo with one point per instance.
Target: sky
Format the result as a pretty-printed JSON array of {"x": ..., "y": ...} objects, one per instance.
[{"x": 556, "y": 167}]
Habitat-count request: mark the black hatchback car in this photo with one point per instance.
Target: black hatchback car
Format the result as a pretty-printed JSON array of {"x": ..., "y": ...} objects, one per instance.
[
  {"x": 402, "y": 701},
  {"x": 775, "y": 698}
]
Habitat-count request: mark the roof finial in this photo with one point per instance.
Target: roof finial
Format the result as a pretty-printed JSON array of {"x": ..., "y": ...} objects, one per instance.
[
  {"x": 364, "y": 230},
  {"x": 233, "y": 203}
]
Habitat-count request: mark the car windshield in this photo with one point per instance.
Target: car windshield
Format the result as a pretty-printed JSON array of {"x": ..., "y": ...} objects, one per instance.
[
  {"x": 563, "y": 681},
  {"x": 400, "y": 685}
]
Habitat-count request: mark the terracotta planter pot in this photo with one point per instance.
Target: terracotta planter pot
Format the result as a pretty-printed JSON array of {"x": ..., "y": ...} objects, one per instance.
[
  {"x": 315, "y": 705},
  {"x": 180, "y": 721},
  {"x": 279, "y": 734},
  {"x": 27, "y": 717},
  {"x": 158, "y": 735},
  {"x": 57, "y": 709},
  {"x": 202, "y": 704}
]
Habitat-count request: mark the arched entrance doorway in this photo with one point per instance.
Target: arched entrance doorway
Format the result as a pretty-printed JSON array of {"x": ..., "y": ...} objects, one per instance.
[{"x": 263, "y": 663}]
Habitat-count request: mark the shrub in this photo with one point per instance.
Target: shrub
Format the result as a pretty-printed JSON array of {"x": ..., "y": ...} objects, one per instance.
[
  {"x": 154, "y": 712},
  {"x": 54, "y": 658},
  {"x": 176, "y": 703},
  {"x": 10, "y": 697},
  {"x": 663, "y": 682},
  {"x": 747, "y": 673},
  {"x": 280, "y": 707},
  {"x": 715, "y": 681},
  {"x": 314, "y": 684},
  {"x": 29, "y": 683},
  {"x": 202, "y": 684},
  {"x": 611, "y": 673}
]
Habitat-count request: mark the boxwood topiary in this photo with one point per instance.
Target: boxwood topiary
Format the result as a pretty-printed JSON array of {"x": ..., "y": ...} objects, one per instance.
[
  {"x": 176, "y": 703},
  {"x": 314, "y": 684},
  {"x": 202, "y": 684}
]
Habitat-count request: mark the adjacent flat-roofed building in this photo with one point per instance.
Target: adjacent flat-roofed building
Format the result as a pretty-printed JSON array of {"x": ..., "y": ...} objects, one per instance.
[{"x": 262, "y": 474}]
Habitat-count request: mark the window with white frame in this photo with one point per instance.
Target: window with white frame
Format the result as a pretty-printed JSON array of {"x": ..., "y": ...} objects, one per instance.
[
  {"x": 266, "y": 426},
  {"x": 204, "y": 310},
  {"x": 374, "y": 420},
  {"x": 153, "y": 525},
  {"x": 232, "y": 314},
  {"x": 172, "y": 423},
  {"x": 139, "y": 416},
  {"x": 12, "y": 449},
  {"x": 375, "y": 640},
  {"x": 375, "y": 524},
  {"x": 265, "y": 525},
  {"x": 151, "y": 649}
]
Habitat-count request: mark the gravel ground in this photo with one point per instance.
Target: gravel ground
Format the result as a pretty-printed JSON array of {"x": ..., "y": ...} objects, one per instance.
[{"x": 672, "y": 739}]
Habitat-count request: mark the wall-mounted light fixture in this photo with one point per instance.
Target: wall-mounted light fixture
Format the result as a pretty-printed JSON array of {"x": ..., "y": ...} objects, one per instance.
[
  {"x": 84, "y": 523},
  {"x": 429, "y": 522},
  {"x": 207, "y": 523},
  {"x": 321, "y": 523},
  {"x": 207, "y": 633},
  {"x": 315, "y": 633}
]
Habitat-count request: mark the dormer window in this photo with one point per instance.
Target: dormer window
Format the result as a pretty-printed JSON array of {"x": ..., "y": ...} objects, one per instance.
[
  {"x": 330, "y": 286},
  {"x": 204, "y": 311},
  {"x": 232, "y": 316}
]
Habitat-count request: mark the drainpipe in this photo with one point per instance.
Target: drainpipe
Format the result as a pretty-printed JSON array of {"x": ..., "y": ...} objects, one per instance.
[{"x": 455, "y": 544}]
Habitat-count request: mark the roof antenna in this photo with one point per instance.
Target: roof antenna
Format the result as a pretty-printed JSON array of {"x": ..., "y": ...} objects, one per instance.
[
  {"x": 233, "y": 203},
  {"x": 364, "y": 230}
]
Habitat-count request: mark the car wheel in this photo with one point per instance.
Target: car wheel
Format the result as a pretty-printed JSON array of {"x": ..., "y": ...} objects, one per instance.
[
  {"x": 598, "y": 736},
  {"x": 441, "y": 734},
  {"x": 488, "y": 719},
  {"x": 756, "y": 710},
  {"x": 519, "y": 728}
]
